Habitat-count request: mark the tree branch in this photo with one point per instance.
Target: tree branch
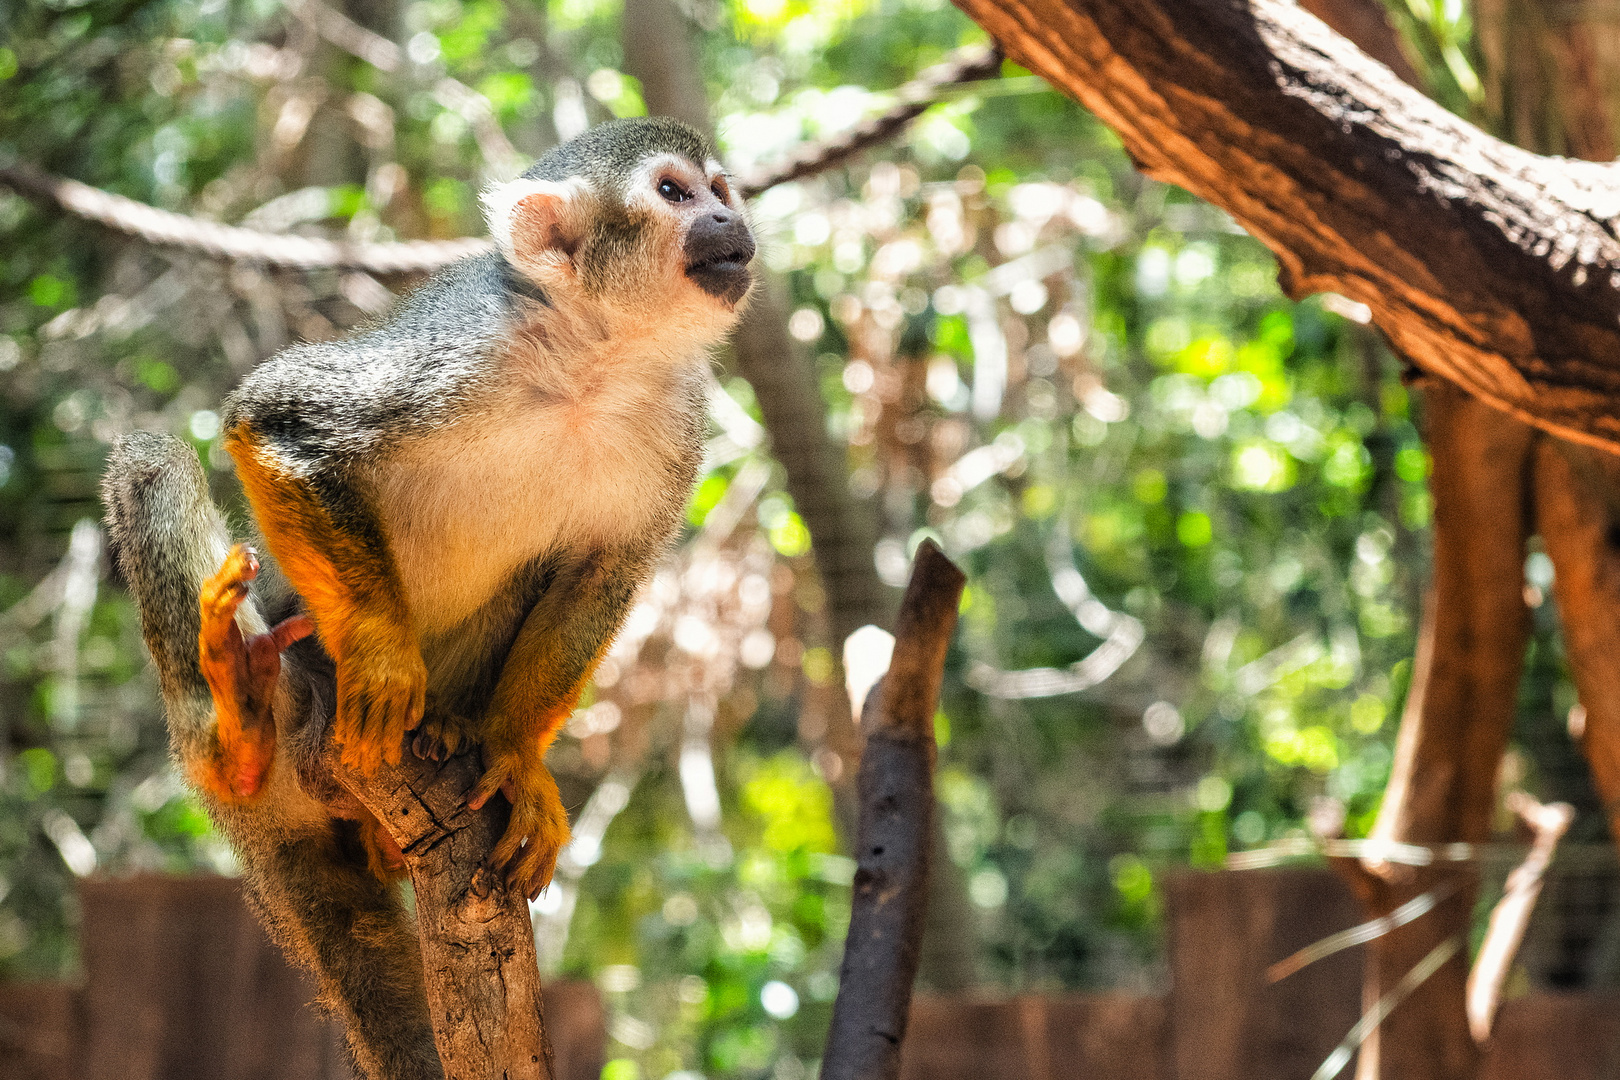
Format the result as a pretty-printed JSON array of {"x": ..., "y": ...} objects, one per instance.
[
  {"x": 1511, "y": 916},
  {"x": 897, "y": 812},
  {"x": 1491, "y": 266},
  {"x": 482, "y": 977},
  {"x": 1579, "y": 521}
]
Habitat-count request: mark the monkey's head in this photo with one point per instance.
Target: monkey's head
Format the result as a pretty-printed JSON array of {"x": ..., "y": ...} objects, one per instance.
[{"x": 636, "y": 218}]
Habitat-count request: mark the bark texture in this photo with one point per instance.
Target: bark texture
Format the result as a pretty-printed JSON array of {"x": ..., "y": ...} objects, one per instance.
[
  {"x": 1491, "y": 266},
  {"x": 483, "y": 980},
  {"x": 896, "y": 832}
]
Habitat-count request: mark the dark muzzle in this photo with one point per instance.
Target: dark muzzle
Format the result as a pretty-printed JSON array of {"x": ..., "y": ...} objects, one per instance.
[{"x": 718, "y": 248}]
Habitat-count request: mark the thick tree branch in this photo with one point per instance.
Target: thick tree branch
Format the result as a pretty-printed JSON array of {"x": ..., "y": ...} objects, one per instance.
[
  {"x": 1491, "y": 266},
  {"x": 897, "y": 812},
  {"x": 483, "y": 980}
]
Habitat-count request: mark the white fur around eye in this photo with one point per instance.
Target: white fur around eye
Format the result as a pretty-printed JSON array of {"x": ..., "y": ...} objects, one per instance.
[{"x": 500, "y": 202}]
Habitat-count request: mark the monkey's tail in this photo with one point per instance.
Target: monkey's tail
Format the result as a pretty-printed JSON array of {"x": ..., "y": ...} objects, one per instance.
[{"x": 165, "y": 537}]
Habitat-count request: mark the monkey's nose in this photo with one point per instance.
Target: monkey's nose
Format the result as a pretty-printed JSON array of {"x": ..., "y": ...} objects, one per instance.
[{"x": 719, "y": 246}]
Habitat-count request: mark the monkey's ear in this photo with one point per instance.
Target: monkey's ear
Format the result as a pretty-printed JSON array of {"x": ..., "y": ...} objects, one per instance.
[{"x": 537, "y": 222}]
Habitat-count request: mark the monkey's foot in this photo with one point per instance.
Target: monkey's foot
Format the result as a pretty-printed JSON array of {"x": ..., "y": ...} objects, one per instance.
[
  {"x": 241, "y": 673},
  {"x": 442, "y": 736},
  {"x": 538, "y": 828},
  {"x": 382, "y": 687},
  {"x": 383, "y": 857}
]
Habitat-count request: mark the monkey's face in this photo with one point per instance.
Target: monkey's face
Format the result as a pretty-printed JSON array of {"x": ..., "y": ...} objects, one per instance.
[
  {"x": 679, "y": 240},
  {"x": 698, "y": 210},
  {"x": 665, "y": 245}
]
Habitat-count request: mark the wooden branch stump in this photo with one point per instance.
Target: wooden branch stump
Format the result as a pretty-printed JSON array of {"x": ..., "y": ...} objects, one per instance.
[
  {"x": 896, "y": 794},
  {"x": 478, "y": 958}
]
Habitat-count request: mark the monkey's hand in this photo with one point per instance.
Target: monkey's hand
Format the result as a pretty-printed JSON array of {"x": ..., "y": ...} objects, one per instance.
[
  {"x": 241, "y": 674},
  {"x": 442, "y": 736},
  {"x": 538, "y": 828},
  {"x": 381, "y": 689}
]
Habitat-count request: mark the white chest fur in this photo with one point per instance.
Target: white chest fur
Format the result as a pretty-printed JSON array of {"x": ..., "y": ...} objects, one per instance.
[{"x": 567, "y": 465}]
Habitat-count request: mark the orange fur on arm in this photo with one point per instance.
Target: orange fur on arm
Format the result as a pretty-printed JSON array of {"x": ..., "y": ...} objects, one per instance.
[
  {"x": 561, "y": 642},
  {"x": 346, "y": 575},
  {"x": 349, "y": 585}
]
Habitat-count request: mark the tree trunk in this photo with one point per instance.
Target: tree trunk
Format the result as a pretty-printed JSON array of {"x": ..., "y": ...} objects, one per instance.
[
  {"x": 1551, "y": 74},
  {"x": 1483, "y": 263},
  {"x": 1576, "y": 516},
  {"x": 843, "y": 532},
  {"x": 1454, "y": 730}
]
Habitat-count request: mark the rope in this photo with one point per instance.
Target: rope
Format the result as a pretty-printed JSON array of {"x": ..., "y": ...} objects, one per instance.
[
  {"x": 232, "y": 242},
  {"x": 915, "y": 98},
  {"x": 1371, "y": 930}
]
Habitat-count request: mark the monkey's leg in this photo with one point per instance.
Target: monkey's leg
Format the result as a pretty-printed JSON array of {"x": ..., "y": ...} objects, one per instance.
[
  {"x": 561, "y": 641},
  {"x": 242, "y": 674},
  {"x": 325, "y": 890},
  {"x": 333, "y": 550},
  {"x": 325, "y": 906}
]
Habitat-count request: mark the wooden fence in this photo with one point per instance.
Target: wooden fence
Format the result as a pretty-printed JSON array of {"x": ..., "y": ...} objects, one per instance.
[{"x": 180, "y": 983}]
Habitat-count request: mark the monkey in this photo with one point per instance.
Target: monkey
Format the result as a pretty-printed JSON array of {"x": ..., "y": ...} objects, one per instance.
[{"x": 454, "y": 509}]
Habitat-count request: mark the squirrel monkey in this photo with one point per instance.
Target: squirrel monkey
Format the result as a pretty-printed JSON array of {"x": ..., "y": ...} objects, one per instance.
[{"x": 459, "y": 504}]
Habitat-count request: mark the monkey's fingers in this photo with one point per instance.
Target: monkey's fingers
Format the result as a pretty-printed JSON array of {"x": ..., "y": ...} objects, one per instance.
[
  {"x": 441, "y": 737},
  {"x": 220, "y": 596},
  {"x": 264, "y": 654},
  {"x": 538, "y": 828},
  {"x": 291, "y": 630},
  {"x": 374, "y": 714},
  {"x": 497, "y": 778},
  {"x": 533, "y": 872},
  {"x": 360, "y": 749}
]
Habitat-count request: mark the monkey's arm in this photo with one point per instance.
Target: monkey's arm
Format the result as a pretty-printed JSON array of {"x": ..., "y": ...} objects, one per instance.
[
  {"x": 332, "y": 549},
  {"x": 558, "y": 647}
]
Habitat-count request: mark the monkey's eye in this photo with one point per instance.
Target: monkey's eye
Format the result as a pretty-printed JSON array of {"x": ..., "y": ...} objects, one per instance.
[
  {"x": 672, "y": 191},
  {"x": 719, "y": 190}
]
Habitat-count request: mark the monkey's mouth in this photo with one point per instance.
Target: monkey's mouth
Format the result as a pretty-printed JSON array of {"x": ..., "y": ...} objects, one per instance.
[{"x": 723, "y": 275}]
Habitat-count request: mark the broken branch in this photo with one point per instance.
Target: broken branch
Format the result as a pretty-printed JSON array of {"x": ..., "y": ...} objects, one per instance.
[{"x": 896, "y": 788}]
